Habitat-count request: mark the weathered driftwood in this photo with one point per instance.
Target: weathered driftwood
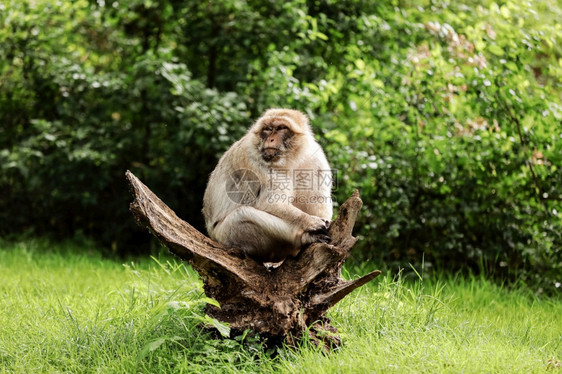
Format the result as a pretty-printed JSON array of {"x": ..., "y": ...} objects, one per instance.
[{"x": 280, "y": 304}]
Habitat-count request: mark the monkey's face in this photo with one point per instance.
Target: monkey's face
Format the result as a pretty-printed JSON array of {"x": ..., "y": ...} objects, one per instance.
[{"x": 276, "y": 140}]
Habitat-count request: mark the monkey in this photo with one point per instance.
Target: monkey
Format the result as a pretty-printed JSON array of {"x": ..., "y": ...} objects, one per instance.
[{"x": 270, "y": 193}]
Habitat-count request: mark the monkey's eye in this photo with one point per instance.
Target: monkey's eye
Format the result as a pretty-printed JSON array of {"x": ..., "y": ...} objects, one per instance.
[
  {"x": 282, "y": 127},
  {"x": 265, "y": 132}
]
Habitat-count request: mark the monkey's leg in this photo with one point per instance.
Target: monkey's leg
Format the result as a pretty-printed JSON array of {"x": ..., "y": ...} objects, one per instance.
[{"x": 258, "y": 233}]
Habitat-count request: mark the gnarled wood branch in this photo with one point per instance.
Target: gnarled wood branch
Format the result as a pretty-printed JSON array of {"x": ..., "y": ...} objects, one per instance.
[{"x": 278, "y": 303}]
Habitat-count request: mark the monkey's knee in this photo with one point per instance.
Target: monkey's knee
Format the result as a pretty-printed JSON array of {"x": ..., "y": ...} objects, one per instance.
[{"x": 240, "y": 234}]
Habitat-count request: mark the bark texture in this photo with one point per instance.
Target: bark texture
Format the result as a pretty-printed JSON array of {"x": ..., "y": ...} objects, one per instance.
[{"x": 280, "y": 304}]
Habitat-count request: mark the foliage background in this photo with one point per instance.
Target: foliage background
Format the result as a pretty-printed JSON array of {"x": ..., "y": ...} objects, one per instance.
[{"x": 445, "y": 115}]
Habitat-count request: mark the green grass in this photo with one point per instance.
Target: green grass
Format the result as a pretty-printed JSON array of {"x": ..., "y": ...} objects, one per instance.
[{"x": 64, "y": 308}]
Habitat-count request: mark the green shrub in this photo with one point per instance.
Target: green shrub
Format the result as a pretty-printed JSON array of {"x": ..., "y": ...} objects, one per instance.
[
  {"x": 445, "y": 116},
  {"x": 454, "y": 141},
  {"x": 73, "y": 122}
]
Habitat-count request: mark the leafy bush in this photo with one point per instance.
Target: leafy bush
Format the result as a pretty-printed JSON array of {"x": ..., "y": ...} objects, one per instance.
[
  {"x": 74, "y": 122},
  {"x": 445, "y": 116},
  {"x": 454, "y": 141}
]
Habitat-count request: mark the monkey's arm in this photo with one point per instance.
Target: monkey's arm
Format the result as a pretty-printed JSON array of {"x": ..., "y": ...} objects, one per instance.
[
  {"x": 270, "y": 225},
  {"x": 264, "y": 235},
  {"x": 307, "y": 228},
  {"x": 287, "y": 212}
]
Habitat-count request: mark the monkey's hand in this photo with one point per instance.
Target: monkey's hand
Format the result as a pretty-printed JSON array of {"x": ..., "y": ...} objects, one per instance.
[{"x": 316, "y": 231}]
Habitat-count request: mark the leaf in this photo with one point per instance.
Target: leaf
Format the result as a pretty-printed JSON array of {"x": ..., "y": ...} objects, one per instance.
[
  {"x": 496, "y": 49},
  {"x": 150, "y": 347},
  {"x": 210, "y": 301},
  {"x": 511, "y": 65},
  {"x": 155, "y": 344},
  {"x": 505, "y": 11},
  {"x": 360, "y": 64},
  {"x": 222, "y": 327}
]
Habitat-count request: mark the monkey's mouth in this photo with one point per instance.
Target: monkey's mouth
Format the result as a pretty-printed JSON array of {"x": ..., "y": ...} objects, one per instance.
[{"x": 270, "y": 154}]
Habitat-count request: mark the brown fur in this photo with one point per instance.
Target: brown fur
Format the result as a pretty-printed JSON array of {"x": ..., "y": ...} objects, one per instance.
[{"x": 262, "y": 210}]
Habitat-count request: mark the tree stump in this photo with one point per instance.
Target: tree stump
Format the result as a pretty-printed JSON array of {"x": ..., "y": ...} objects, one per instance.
[{"x": 281, "y": 304}]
